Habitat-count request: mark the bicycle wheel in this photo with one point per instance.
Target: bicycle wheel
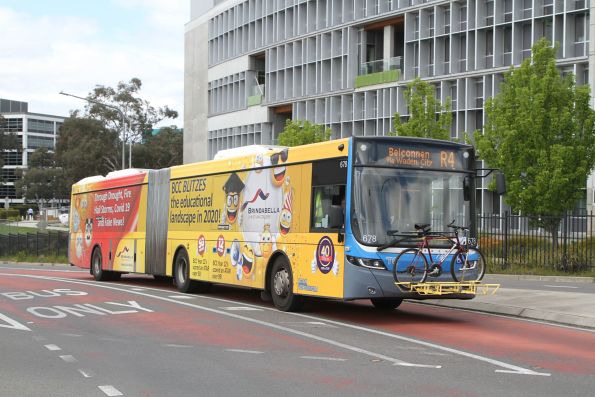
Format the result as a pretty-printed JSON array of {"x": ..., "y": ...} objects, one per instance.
[
  {"x": 410, "y": 266},
  {"x": 468, "y": 266}
]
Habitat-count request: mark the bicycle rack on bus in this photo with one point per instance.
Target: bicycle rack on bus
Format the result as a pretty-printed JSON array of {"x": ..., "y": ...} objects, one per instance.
[{"x": 447, "y": 288}]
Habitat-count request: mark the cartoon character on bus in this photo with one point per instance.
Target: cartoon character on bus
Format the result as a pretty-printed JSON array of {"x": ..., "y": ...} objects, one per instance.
[
  {"x": 233, "y": 189},
  {"x": 278, "y": 161},
  {"x": 88, "y": 231},
  {"x": 285, "y": 215},
  {"x": 266, "y": 242}
]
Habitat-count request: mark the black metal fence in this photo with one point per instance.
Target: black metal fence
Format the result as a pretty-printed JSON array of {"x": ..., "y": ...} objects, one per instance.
[
  {"x": 34, "y": 244},
  {"x": 513, "y": 241}
]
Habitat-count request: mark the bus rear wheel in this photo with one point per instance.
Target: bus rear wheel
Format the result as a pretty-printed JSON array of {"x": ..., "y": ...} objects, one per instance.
[
  {"x": 386, "y": 304},
  {"x": 97, "y": 266},
  {"x": 282, "y": 287},
  {"x": 182, "y": 275}
]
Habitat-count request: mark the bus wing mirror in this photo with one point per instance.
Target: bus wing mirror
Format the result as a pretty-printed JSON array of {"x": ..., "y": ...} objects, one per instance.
[
  {"x": 467, "y": 188},
  {"x": 500, "y": 183}
]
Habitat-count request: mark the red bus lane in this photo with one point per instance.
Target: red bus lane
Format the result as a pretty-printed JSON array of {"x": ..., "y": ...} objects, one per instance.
[
  {"x": 58, "y": 306},
  {"x": 529, "y": 344},
  {"x": 539, "y": 345}
]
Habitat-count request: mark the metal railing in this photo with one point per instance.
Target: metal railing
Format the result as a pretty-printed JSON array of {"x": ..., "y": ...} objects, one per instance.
[
  {"x": 34, "y": 244},
  {"x": 514, "y": 241},
  {"x": 381, "y": 65}
]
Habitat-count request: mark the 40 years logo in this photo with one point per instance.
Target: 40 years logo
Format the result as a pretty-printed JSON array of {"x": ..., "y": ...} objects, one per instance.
[{"x": 325, "y": 258}]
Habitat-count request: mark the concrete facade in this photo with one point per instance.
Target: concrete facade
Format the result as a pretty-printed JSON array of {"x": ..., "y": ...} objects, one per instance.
[{"x": 345, "y": 63}]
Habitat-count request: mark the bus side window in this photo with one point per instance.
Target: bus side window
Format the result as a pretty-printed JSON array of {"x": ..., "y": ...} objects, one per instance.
[{"x": 328, "y": 192}]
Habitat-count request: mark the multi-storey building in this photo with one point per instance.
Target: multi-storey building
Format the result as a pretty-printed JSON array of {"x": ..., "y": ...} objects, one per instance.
[
  {"x": 252, "y": 64},
  {"x": 33, "y": 131}
]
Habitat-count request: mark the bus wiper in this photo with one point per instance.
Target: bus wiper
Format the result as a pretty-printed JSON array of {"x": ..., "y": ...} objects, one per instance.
[{"x": 393, "y": 242}]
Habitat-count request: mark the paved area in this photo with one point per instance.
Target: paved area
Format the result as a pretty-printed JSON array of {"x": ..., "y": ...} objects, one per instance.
[{"x": 560, "y": 304}]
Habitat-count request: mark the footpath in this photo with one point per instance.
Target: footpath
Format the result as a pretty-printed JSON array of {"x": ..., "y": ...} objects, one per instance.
[{"x": 545, "y": 298}]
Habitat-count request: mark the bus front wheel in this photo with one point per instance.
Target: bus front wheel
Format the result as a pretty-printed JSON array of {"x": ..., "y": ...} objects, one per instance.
[
  {"x": 282, "y": 287},
  {"x": 386, "y": 303}
]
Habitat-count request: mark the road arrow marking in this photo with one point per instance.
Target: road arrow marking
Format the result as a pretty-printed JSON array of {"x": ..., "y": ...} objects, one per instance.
[{"x": 13, "y": 324}]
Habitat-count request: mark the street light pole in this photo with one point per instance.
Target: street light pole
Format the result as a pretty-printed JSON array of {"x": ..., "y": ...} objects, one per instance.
[{"x": 124, "y": 121}]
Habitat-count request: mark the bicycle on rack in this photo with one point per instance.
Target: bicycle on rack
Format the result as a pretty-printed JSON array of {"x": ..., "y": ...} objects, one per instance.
[{"x": 467, "y": 264}]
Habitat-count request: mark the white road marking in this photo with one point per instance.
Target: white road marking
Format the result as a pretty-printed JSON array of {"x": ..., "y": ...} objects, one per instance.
[
  {"x": 307, "y": 324},
  {"x": 68, "y": 358},
  {"x": 86, "y": 373},
  {"x": 137, "y": 289},
  {"x": 179, "y": 346},
  {"x": 519, "y": 373},
  {"x": 241, "y": 308},
  {"x": 244, "y": 351},
  {"x": 323, "y": 358},
  {"x": 332, "y": 342},
  {"x": 561, "y": 286},
  {"x": 52, "y": 347},
  {"x": 181, "y": 297},
  {"x": 11, "y": 323},
  {"x": 30, "y": 322},
  {"x": 44, "y": 270},
  {"x": 110, "y": 391},
  {"x": 73, "y": 335}
]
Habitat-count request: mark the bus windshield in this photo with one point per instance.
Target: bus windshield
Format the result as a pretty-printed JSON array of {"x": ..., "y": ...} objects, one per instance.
[{"x": 390, "y": 200}]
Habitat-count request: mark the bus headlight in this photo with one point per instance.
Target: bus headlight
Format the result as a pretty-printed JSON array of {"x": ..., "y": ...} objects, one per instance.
[{"x": 366, "y": 262}]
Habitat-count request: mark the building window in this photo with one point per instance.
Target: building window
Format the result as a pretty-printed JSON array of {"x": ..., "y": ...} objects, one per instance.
[
  {"x": 416, "y": 27},
  {"x": 580, "y": 38},
  {"x": 41, "y": 126},
  {"x": 489, "y": 48},
  {"x": 507, "y": 10},
  {"x": 7, "y": 191},
  {"x": 463, "y": 17},
  {"x": 12, "y": 125},
  {"x": 548, "y": 7},
  {"x": 13, "y": 158},
  {"x": 447, "y": 20},
  {"x": 431, "y": 23},
  {"x": 527, "y": 8},
  {"x": 489, "y": 12},
  {"x": 479, "y": 93},
  {"x": 526, "y": 52},
  {"x": 507, "y": 45},
  {"x": 36, "y": 142}
]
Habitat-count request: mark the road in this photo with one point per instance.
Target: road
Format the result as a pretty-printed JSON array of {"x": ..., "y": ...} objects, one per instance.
[{"x": 64, "y": 334}]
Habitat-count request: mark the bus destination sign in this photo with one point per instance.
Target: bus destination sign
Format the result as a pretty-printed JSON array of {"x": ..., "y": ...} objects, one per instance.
[{"x": 399, "y": 155}]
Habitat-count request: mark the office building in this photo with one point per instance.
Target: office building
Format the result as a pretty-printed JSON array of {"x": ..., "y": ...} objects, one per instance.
[
  {"x": 33, "y": 131},
  {"x": 252, "y": 64}
]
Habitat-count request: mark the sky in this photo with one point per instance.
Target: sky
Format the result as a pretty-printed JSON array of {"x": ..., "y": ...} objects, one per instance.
[{"x": 73, "y": 45}]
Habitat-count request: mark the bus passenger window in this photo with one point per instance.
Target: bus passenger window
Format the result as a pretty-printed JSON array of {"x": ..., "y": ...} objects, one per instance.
[{"x": 328, "y": 207}]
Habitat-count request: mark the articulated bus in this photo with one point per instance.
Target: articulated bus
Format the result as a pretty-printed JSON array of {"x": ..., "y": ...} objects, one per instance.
[{"x": 292, "y": 222}]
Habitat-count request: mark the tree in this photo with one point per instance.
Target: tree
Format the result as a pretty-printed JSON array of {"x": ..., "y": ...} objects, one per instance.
[
  {"x": 297, "y": 132},
  {"x": 139, "y": 112},
  {"x": 43, "y": 180},
  {"x": 159, "y": 151},
  {"x": 85, "y": 148},
  {"x": 540, "y": 133},
  {"x": 428, "y": 118}
]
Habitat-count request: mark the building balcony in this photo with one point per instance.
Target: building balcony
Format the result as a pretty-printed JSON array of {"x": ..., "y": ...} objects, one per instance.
[
  {"x": 379, "y": 72},
  {"x": 257, "y": 95}
]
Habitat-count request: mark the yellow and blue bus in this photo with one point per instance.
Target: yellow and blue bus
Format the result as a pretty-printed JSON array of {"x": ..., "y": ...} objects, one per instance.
[{"x": 292, "y": 222}]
